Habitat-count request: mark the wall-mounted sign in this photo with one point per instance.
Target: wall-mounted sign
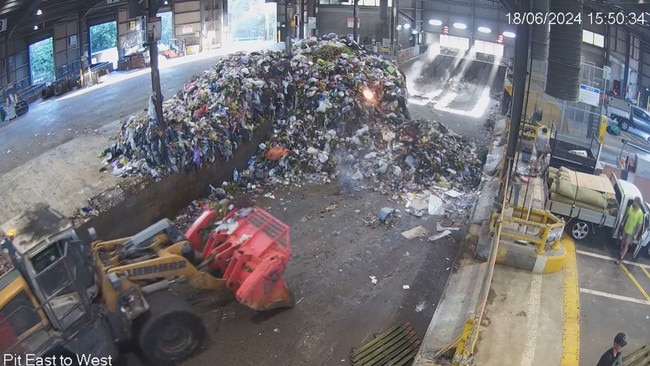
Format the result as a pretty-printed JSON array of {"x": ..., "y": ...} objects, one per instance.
[
  {"x": 132, "y": 25},
  {"x": 3, "y": 25},
  {"x": 351, "y": 22},
  {"x": 154, "y": 29},
  {"x": 311, "y": 22},
  {"x": 187, "y": 29},
  {"x": 589, "y": 95},
  {"x": 73, "y": 40}
]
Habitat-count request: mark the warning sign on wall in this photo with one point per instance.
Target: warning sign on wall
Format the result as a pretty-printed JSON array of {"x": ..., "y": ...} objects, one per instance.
[{"x": 351, "y": 23}]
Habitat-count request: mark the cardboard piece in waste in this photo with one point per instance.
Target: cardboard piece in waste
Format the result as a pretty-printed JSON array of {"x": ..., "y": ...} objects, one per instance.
[
  {"x": 439, "y": 235},
  {"x": 415, "y": 232}
]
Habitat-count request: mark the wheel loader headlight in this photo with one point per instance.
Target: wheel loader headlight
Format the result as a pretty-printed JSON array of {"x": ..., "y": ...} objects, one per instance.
[{"x": 132, "y": 304}]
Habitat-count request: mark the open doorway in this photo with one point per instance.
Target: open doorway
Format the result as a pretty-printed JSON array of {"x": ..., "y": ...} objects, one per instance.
[
  {"x": 41, "y": 61},
  {"x": 168, "y": 46},
  {"x": 103, "y": 43},
  {"x": 252, "y": 20}
]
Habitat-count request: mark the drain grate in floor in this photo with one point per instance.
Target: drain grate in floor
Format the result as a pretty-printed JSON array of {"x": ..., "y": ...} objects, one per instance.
[{"x": 395, "y": 347}]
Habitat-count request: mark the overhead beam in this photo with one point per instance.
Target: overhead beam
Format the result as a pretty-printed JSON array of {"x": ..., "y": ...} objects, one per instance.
[{"x": 29, "y": 9}]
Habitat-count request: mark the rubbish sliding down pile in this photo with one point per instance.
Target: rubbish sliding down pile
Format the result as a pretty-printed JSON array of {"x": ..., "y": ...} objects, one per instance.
[{"x": 336, "y": 111}]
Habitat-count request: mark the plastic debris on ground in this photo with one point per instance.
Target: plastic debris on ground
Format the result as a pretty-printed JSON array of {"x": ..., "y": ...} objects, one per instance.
[
  {"x": 415, "y": 232},
  {"x": 439, "y": 235},
  {"x": 337, "y": 113}
]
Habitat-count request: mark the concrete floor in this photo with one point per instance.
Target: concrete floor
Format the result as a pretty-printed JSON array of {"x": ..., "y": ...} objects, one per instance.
[
  {"x": 522, "y": 320},
  {"x": 610, "y": 301}
]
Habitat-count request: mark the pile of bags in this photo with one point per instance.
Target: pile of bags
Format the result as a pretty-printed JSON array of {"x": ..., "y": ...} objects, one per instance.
[
  {"x": 564, "y": 189},
  {"x": 335, "y": 111}
]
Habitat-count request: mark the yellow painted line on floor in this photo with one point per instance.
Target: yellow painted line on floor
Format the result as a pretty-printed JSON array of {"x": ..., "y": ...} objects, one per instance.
[
  {"x": 634, "y": 281},
  {"x": 646, "y": 272},
  {"x": 571, "y": 321}
]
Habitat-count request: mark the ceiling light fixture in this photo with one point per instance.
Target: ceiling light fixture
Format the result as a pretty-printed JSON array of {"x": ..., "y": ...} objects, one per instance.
[
  {"x": 435, "y": 22},
  {"x": 39, "y": 12},
  {"x": 407, "y": 26},
  {"x": 166, "y": 2},
  {"x": 36, "y": 27},
  {"x": 414, "y": 31},
  {"x": 509, "y": 34},
  {"x": 484, "y": 29},
  {"x": 460, "y": 25}
]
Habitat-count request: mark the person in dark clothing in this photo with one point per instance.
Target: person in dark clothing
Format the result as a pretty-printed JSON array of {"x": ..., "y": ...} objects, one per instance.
[{"x": 613, "y": 356}]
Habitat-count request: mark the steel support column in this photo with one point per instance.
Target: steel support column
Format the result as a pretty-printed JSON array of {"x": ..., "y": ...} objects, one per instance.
[
  {"x": 626, "y": 73},
  {"x": 154, "y": 5},
  {"x": 355, "y": 16},
  {"x": 518, "y": 91}
]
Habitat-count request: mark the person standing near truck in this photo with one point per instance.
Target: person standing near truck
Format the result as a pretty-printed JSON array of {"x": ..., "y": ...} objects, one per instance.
[
  {"x": 542, "y": 147},
  {"x": 632, "y": 223}
]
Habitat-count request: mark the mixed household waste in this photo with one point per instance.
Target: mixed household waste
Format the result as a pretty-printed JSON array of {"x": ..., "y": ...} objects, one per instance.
[{"x": 336, "y": 113}]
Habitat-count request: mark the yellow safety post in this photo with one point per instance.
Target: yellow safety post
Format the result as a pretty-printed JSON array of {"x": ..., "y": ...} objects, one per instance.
[{"x": 602, "y": 130}]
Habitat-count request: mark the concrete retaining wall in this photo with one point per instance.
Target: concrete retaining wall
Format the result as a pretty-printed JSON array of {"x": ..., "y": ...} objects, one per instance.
[{"x": 152, "y": 201}]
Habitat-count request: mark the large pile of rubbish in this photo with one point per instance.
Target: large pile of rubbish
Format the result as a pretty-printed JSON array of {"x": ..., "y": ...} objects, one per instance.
[{"x": 335, "y": 111}]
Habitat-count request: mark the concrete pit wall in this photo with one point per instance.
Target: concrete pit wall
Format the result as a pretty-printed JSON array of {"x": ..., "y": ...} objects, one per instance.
[{"x": 149, "y": 202}]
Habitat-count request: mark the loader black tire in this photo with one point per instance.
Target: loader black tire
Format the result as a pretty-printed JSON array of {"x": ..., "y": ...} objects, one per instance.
[
  {"x": 60, "y": 88},
  {"x": 171, "y": 332}
]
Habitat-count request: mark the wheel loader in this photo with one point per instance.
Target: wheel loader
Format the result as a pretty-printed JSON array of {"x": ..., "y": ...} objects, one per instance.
[{"x": 61, "y": 297}]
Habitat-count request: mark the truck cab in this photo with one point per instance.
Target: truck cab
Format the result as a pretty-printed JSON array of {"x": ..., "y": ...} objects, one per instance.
[
  {"x": 47, "y": 288},
  {"x": 635, "y": 117}
]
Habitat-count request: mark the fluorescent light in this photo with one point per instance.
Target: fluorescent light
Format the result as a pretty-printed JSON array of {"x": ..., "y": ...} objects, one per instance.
[
  {"x": 407, "y": 26},
  {"x": 36, "y": 27},
  {"x": 399, "y": 27},
  {"x": 166, "y": 2},
  {"x": 414, "y": 31},
  {"x": 39, "y": 12},
  {"x": 509, "y": 34},
  {"x": 460, "y": 25},
  {"x": 435, "y": 22},
  {"x": 484, "y": 29}
]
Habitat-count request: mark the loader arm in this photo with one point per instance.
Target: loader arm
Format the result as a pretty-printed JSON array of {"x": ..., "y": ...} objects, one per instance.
[{"x": 170, "y": 264}]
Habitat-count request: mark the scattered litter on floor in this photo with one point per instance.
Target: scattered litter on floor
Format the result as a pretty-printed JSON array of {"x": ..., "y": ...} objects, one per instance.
[
  {"x": 421, "y": 306},
  {"x": 440, "y": 235},
  {"x": 440, "y": 227},
  {"x": 386, "y": 213},
  {"x": 453, "y": 193},
  {"x": 435, "y": 205},
  {"x": 406, "y": 287},
  {"x": 416, "y": 232},
  {"x": 373, "y": 279}
]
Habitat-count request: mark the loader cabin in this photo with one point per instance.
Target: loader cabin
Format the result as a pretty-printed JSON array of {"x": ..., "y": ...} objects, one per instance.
[{"x": 47, "y": 283}]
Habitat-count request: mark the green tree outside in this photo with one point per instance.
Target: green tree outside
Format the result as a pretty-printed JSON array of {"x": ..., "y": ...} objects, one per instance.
[
  {"x": 252, "y": 20},
  {"x": 167, "y": 31},
  {"x": 41, "y": 61},
  {"x": 103, "y": 36}
]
